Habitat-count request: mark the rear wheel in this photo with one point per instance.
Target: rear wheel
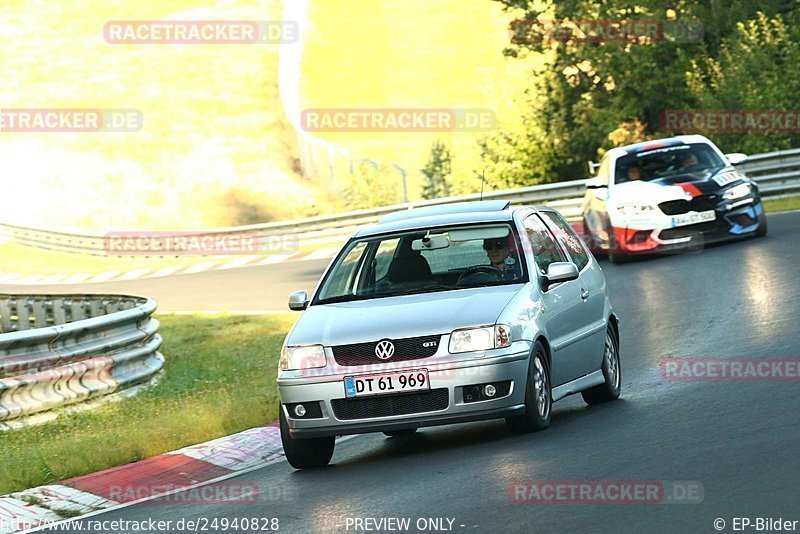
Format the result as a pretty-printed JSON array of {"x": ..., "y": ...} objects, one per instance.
[
  {"x": 538, "y": 396},
  {"x": 305, "y": 453},
  {"x": 400, "y": 433},
  {"x": 612, "y": 372}
]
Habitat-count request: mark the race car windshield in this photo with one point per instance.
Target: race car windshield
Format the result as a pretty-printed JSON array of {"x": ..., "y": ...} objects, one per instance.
[
  {"x": 424, "y": 262},
  {"x": 693, "y": 161}
]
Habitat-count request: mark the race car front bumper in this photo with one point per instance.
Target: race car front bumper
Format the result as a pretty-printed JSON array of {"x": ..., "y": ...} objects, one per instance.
[{"x": 663, "y": 233}]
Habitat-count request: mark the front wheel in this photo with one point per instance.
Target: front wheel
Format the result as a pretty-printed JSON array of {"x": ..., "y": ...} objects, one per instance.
[
  {"x": 538, "y": 396},
  {"x": 305, "y": 453},
  {"x": 612, "y": 372},
  {"x": 762, "y": 224}
]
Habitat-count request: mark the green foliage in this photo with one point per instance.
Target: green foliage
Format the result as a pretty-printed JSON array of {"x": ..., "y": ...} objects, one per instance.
[
  {"x": 372, "y": 185},
  {"x": 756, "y": 69},
  {"x": 437, "y": 172},
  {"x": 593, "y": 95}
]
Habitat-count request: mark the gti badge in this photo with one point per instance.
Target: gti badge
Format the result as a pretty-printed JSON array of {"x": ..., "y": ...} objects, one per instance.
[{"x": 384, "y": 349}]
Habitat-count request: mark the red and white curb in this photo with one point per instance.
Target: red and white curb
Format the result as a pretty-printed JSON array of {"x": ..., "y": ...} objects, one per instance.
[
  {"x": 159, "y": 477},
  {"x": 141, "y": 273}
]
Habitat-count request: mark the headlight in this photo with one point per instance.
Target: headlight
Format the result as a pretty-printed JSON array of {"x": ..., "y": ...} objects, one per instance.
[
  {"x": 635, "y": 210},
  {"x": 308, "y": 357},
  {"x": 484, "y": 338},
  {"x": 739, "y": 191}
]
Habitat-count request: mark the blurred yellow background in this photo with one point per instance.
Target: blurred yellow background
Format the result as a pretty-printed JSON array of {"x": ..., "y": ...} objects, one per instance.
[{"x": 216, "y": 148}]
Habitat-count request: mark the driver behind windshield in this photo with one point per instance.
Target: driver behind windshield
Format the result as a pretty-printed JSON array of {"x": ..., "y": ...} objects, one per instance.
[
  {"x": 500, "y": 257},
  {"x": 690, "y": 163}
]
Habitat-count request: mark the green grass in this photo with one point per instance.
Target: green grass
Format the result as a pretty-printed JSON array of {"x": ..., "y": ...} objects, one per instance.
[
  {"x": 782, "y": 204},
  {"x": 212, "y": 386}
]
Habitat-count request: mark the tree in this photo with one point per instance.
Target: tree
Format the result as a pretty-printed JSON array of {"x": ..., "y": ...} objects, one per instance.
[
  {"x": 588, "y": 88},
  {"x": 372, "y": 185},
  {"x": 437, "y": 172}
]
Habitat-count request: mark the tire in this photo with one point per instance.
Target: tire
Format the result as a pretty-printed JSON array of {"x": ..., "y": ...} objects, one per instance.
[
  {"x": 762, "y": 227},
  {"x": 400, "y": 433},
  {"x": 538, "y": 396},
  {"x": 612, "y": 372},
  {"x": 305, "y": 453},
  {"x": 592, "y": 241}
]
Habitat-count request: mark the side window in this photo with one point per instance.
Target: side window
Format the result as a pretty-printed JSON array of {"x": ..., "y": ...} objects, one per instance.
[
  {"x": 545, "y": 248},
  {"x": 568, "y": 238},
  {"x": 384, "y": 256},
  {"x": 345, "y": 275}
]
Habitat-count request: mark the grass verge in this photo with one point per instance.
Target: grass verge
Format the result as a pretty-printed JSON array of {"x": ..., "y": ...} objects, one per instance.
[
  {"x": 782, "y": 204},
  {"x": 212, "y": 386}
]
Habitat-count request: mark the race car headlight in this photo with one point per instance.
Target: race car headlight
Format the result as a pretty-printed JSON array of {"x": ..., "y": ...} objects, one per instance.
[
  {"x": 739, "y": 191},
  {"x": 483, "y": 338},
  {"x": 635, "y": 210},
  {"x": 306, "y": 357}
]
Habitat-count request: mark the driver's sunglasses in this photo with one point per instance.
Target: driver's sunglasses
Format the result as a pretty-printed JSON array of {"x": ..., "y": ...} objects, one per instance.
[{"x": 497, "y": 245}]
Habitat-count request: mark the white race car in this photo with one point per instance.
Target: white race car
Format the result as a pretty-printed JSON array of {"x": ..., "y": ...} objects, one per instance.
[{"x": 670, "y": 193}]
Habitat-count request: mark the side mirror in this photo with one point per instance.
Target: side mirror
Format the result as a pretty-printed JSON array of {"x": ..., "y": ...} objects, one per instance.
[
  {"x": 596, "y": 183},
  {"x": 298, "y": 301},
  {"x": 560, "y": 271},
  {"x": 737, "y": 158}
]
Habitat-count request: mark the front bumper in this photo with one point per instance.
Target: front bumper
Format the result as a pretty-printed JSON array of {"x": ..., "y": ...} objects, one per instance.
[
  {"x": 453, "y": 378},
  {"x": 734, "y": 219}
]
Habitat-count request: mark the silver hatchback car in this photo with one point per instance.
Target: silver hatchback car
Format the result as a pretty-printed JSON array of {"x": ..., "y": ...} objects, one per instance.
[{"x": 447, "y": 314}]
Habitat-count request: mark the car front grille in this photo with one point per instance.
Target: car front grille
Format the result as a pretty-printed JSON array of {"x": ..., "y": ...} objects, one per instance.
[
  {"x": 698, "y": 203},
  {"x": 692, "y": 230},
  {"x": 389, "y": 405},
  {"x": 411, "y": 348}
]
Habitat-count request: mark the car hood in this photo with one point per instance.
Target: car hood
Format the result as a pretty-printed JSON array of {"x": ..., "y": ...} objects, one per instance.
[
  {"x": 676, "y": 187},
  {"x": 400, "y": 317}
]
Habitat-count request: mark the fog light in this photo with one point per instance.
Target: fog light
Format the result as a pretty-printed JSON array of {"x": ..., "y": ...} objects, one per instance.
[
  {"x": 489, "y": 390},
  {"x": 299, "y": 410}
]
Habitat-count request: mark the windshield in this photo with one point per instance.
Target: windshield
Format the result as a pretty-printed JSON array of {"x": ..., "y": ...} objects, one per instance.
[
  {"x": 423, "y": 261},
  {"x": 693, "y": 162}
]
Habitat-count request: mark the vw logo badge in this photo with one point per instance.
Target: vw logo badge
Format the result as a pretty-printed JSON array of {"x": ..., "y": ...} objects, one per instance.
[{"x": 384, "y": 349}]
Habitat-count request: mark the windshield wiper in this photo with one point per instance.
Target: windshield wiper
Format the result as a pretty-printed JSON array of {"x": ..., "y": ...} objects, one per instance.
[
  {"x": 343, "y": 298},
  {"x": 414, "y": 291}
]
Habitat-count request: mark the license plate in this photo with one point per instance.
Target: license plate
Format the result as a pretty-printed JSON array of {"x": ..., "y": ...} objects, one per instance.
[
  {"x": 694, "y": 218},
  {"x": 384, "y": 383}
]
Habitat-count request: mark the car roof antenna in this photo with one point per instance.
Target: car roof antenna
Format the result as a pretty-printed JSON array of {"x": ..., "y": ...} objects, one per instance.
[{"x": 483, "y": 181}]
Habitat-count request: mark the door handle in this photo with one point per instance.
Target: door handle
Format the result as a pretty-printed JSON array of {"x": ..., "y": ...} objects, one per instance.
[{"x": 584, "y": 294}]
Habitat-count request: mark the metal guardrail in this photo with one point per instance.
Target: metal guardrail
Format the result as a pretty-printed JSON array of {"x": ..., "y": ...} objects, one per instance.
[
  {"x": 777, "y": 173},
  {"x": 57, "y": 350}
]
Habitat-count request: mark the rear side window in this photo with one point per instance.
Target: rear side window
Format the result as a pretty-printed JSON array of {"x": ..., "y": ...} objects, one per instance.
[
  {"x": 568, "y": 238},
  {"x": 545, "y": 248}
]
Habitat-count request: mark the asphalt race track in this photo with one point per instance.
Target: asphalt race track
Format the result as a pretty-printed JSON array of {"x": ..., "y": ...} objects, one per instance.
[{"x": 738, "y": 439}]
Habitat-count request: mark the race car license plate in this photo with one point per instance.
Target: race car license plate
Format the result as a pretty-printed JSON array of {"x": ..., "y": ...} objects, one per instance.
[
  {"x": 694, "y": 218},
  {"x": 381, "y": 384}
]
